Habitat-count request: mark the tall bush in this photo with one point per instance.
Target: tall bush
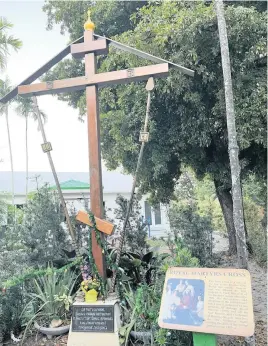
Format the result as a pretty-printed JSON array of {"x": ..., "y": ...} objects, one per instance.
[
  {"x": 257, "y": 235},
  {"x": 190, "y": 220},
  {"x": 255, "y": 210},
  {"x": 136, "y": 229},
  {"x": 42, "y": 232},
  {"x": 11, "y": 306},
  {"x": 196, "y": 231}
]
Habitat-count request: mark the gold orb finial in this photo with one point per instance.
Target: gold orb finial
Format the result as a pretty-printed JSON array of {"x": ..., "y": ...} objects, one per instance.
[{"x": 89, "y": 25}]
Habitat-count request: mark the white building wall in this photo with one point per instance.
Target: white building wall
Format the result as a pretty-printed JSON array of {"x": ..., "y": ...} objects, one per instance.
[
  {"x": 109, "y": 199},
  {"x": 75, "y": 198}
]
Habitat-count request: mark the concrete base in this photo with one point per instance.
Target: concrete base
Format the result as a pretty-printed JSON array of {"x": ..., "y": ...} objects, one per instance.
[{"x": 97, "y": 339}]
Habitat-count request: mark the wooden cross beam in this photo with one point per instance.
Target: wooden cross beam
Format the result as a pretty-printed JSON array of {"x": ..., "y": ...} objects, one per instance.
[
  {"x": 90, "y": 48},
  {"x": 102, "y": 225},
  {"x": 99, "y": 79}
]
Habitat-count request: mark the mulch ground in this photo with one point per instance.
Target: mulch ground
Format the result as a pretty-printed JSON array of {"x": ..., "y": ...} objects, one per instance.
[{"x": 40, "y": 340}]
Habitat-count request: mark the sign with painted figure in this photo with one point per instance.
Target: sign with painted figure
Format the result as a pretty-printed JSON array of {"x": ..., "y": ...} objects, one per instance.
[{"x": 205, "y": 300}]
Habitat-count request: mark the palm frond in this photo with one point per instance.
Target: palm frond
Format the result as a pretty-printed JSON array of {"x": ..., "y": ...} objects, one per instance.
[
  {"x": 5, "y": 88},
  {"x": 5, "y": 24},
  {"x": 7, "y": 42},
  {"x": 25, "y": 107}
]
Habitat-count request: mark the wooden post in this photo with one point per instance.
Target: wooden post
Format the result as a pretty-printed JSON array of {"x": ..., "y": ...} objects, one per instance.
[{"x": 95, "y": 170}]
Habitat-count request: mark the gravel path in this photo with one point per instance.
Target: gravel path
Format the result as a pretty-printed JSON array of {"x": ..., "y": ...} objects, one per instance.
[{"x": 259, "y": 291}]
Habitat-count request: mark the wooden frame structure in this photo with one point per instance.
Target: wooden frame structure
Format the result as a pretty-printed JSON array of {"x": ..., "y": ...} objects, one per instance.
[{"x": 89, "y": 46}]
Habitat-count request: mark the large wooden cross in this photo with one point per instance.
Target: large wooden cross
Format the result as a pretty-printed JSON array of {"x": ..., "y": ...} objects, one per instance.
[{"x": 89, "y": 49}]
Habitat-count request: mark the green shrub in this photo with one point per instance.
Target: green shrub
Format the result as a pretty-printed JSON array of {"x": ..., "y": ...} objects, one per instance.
[
  {"x": 11, "y": 307},
  {"x": 257, "y": 235},
  {"x": 136, "y": 229},
  {"x": 195, "y": 231},
  {"x": 141, "y": 305},
  {"x": 42, "y": 232}
]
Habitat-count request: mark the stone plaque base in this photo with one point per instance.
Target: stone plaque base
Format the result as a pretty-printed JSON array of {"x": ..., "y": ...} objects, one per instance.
[{"x": 96, "y": 338}]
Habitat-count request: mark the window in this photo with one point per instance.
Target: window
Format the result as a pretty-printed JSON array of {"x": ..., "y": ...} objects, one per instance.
[
  {"x": 148, "y": 212},
  {"x": 157, "y": 214}
]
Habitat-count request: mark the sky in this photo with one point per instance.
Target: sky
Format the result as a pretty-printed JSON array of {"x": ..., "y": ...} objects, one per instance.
[{"x": 67, "y": 135}]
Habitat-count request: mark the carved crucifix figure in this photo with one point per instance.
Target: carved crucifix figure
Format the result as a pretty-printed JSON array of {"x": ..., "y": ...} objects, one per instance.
[{"x": 89, "y": 49}]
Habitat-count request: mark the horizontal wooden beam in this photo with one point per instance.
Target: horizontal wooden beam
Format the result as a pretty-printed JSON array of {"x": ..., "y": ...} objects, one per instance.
[
  {"x": 99, "y": 47},
  {"x": 100, "y": 79},
  {"x": 102, "y": 225}
]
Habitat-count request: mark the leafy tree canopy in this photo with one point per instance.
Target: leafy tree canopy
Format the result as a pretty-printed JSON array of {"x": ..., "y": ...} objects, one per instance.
[
  {"x": 110, "y": 17},
  {"x": 188, "y": 122}
]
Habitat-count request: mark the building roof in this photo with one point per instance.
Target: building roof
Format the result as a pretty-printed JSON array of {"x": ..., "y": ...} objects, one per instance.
[
  {"x": 113, "y": 182},
  {"x": 73, "y": 185}
]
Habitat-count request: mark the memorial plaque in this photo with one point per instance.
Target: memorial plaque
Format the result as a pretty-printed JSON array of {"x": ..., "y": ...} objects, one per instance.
[
  {"x": 95, "y": 319},
  {"x": 205, "y": 300}
]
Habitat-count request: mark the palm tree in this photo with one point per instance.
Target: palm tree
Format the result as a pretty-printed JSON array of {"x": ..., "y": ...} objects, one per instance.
[
  {"x": 238, "y": 211},
  {"x": 232, "y": 138},
  {"x": 27, "y": 109},
  {"x": 5, "y": 88},
  {"x": 6, "y": 41}
]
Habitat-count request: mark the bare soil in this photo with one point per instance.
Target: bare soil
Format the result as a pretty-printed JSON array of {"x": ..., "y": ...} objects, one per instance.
[
  {"x": 40, "y": 340},
  {"x": 259, "y": 291}
]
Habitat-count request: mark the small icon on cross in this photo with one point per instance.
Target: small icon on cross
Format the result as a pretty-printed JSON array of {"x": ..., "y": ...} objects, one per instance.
[
  {"x": 144, "y": 136},
  {"x": 46, "y": 147}
]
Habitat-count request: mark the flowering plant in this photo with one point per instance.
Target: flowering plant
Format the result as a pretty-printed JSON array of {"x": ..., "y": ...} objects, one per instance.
[
  {"x": 90, "y": 284},
  {"x": 85, "y": 272}
]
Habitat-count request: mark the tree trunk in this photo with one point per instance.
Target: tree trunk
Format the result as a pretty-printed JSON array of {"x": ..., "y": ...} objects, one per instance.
[
  {"x": 226, "y": 203},
  {"x": 11, "y": 157},
  {"x": 238, "y": 212},
  {"x": 27, "y": 158},
  {"x": 232, "y": 139}
]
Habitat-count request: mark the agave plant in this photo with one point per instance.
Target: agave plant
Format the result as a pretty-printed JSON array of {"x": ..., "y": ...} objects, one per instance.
[
  {"x": 49, "y": 289},
  {"x": 51, "y": 297}
]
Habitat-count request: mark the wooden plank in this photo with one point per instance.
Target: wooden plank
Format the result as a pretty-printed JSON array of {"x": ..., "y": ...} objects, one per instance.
[
  {"x": 96, "y": 195},
  {"x": 56, "y": 87},
  {"x": 100, "y": 80},
  {"x": 94, "y": 151},
  {"x": 102, "y": 225},
  {"x": 79, "y": 50},
  {"x": 52, "y": 62},
  {"x": 13, "y": 93}
]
